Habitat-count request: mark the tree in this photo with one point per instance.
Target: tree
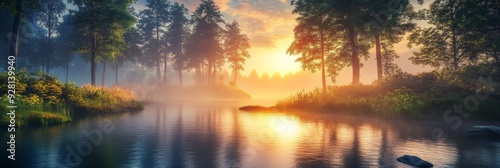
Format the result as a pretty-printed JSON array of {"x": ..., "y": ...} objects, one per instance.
[
  {"x": 99, "y": 24},
  {"x": 311, "y": 37},
  {"x": 32, "y": 40},
  {"x": 444, "y": 44},
  {"x": 390, "y": 22},
  {"x": 48, "y": 15},
  {"x": 112, "y": 47},
  {"x": 16, "y": 9},
  {"x": 345, "y": 19},
  {"x": 132, "y": 50},
  {"x": 177, "y": 35},
  {"x": 152, "y": 22},
  {"x": 6, "y": 21},
  {"x": 236, "y": 46},
  {"x": 65, "y": 42},
  {"x": 480, "y": 27},
  {"x": 204, "y": 42}
]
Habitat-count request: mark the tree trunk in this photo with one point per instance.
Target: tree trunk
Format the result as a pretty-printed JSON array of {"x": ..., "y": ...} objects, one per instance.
[
  {"x": 354, "y": 58},
  {"x": 202, "y": 73},
  {"x": 93, "y": 60},
  {"x": 455, "y": 51},
  {"x": 94, "y": 47},
  {"x": 15, "y": 33},
  {"x": 235, "y": 75},
  {"x": 67, "y": 70},
  {"x": 214, "y": 74},
  {"x": 158, "y": 69},
  {"x": 103, "y": 73},
  {"x": 116, "y": 74},
  {"x": 323, "y": 79},
  {"x": 49, "y": 42},
  {"x": 209, "y": 72},
  {"x": 165, "y": 67},
  {"x": 180, "y": 77},
  {"x": 454, "y": 37},
  {"x": 379, "y": 58}
]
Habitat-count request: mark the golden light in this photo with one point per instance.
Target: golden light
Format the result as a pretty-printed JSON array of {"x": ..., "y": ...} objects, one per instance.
[
  {"x": 284, "y": 64},
  {"x": 273, "y": 59},
  {"x": 284, "y": 126}
]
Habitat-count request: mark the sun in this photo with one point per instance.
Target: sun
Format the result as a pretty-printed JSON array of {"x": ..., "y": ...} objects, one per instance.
[
  {"x": 284, "y": 64},
  {"x": 272, "y": 59}
]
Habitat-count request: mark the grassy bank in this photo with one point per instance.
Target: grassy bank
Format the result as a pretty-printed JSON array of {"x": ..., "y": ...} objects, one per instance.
[
  {"x": 426, "y": 95},
  {"x": 103, "y": 99},
  {"x": 43, "y": 100},
  {"x": 34, "y": 114}
]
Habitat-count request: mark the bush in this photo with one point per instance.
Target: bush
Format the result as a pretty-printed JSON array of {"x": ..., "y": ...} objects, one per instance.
[
  {"x": 402, "y": 102},
  {"x": 72, "y": 94},
  {"x": 407, "y": 95}
]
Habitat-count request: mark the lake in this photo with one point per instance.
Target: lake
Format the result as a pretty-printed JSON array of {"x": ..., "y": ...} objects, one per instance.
[{"x": 217, "y": 134}]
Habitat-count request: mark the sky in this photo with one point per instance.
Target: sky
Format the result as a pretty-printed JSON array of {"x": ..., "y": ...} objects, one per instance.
[{"x": 269, "y": 25}]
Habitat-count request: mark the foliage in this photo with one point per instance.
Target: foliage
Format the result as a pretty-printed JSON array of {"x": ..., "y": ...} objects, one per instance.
[
  {"x": 42, "y": 99},
  {"x": 152, "y": 23},
  {"x": 314, "y": 40},
  {"x": 47, "y": 118},
  {"x": 464, "y": 32},
  {"x": 48, "y": 88},
  {"x": 204, "y": 44},
  {"x": 177, "y": 36},
  {"x": 423, "y": 95},
  {"x": 73, "y": 94},
  {"x": 105, "y": 96},
  {"x": 235, "y": 48},
  {"x": 99, "y": 29},
  {"x": 48, "y": 16}
]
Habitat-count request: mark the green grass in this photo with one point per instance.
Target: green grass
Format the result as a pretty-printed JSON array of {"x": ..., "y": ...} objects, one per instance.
[
  {"x": 427, "y": 95},
  {"x": 35, "y": 114},
  {"x": 106, "y": 99},
  {"x": 47, "y": 118}
]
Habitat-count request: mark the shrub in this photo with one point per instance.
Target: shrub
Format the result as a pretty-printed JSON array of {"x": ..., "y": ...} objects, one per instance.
[
  {"x": 48, "y": 88},
  {"x": 72, "y": 94},
  {"x": 402, "y": 101}
]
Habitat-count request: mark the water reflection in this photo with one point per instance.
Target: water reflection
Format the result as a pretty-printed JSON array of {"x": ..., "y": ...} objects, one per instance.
[{"x": 202, "y": 135}]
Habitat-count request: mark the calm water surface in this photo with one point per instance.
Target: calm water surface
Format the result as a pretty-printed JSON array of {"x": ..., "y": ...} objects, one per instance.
[{"x": 218, "y": 135}]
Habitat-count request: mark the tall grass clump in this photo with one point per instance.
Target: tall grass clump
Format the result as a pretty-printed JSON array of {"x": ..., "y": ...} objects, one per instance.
[{"x": 101, "y": 98}]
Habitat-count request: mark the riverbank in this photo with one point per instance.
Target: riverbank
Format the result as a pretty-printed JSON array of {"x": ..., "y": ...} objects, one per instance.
[
  {"x": 422, "y": 96},
  {"x": 43, "y": 100}
]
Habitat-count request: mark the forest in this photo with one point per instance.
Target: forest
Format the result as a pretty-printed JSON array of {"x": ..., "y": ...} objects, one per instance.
[
  {"x": 49, "y": 35},
  {"x": 250, "y": 83},
  {"x": 44, "y": 35},
  {"x": 460, "y": 41}
]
